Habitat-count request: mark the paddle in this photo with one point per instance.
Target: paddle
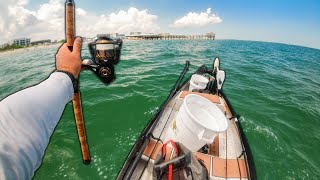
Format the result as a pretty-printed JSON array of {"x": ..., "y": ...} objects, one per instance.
[{"x": 77, "y": 107}]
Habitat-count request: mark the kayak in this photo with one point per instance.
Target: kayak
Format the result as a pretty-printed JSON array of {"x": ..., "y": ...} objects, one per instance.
[{"x": 195, "y": 134}]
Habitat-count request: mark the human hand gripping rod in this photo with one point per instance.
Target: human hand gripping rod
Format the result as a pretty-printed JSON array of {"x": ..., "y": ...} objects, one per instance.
[{"x": 77, "y": 107}]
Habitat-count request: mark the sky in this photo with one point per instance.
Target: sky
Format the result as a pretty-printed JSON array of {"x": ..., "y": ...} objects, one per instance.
[{"x": 285, "y": 21}]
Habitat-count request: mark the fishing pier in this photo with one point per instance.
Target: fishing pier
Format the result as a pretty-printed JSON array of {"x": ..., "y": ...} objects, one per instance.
[{"x": 139, "y": 36}]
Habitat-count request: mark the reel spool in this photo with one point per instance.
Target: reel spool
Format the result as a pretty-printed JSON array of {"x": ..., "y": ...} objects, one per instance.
[{"x": 105, "y": 54}]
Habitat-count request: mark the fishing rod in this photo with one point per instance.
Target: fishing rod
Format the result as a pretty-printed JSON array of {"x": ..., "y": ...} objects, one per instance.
[
  {"x": 105, "y": 54},
  {"x": 76, "y": 100}
]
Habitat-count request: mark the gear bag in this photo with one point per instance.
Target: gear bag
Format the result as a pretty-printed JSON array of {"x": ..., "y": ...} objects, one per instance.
[{"x": 184, "y": 166}]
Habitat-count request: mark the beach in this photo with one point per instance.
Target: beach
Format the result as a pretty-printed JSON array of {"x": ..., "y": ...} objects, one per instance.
[{"x": 27, "y": 49}]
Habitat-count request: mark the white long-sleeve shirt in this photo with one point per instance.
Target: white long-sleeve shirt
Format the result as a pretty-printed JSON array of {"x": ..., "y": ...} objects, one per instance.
[{"x": 27, "y": 120}]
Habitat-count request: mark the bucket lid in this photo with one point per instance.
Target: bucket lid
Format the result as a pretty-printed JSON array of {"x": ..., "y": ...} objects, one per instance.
[
  {"x": 205, "y": 113},
  {"x": 199, "y": 79}
]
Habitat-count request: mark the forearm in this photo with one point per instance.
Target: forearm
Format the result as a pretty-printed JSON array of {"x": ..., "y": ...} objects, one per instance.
[{"x": 27, "y": 120}]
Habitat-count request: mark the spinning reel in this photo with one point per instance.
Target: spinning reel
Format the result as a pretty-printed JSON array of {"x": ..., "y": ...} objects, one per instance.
[{"x": 105, "y": 54}]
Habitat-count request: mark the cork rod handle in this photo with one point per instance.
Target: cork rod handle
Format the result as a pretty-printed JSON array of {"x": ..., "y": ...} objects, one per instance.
[{"x": 77, "y": 107}]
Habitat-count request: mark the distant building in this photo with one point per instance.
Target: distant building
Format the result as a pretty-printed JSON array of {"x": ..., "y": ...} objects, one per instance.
[
  {"x": 47, "y": 41},
  {"x": 112, "y": 35},
  {"x": 135, "y": 33},
  {"x": 165, "y": 34},
  {"x": 141, "y": 36},
  {"x": 120, "y": 36},
  {"x": 22, "y": 41}
]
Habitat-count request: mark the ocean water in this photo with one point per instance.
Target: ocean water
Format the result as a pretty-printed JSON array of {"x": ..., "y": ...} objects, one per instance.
[{"x": 273, "y": 87}]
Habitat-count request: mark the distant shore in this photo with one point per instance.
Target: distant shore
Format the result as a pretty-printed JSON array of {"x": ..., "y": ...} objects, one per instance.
[{"x": 26, "y": 49}]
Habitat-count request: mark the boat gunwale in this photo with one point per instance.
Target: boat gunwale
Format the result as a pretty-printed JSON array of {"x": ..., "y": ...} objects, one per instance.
[{"x": 243, "y": 139}]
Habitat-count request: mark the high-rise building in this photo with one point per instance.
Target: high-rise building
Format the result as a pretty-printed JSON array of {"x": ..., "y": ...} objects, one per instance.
[{"x": 22, "y": 41}]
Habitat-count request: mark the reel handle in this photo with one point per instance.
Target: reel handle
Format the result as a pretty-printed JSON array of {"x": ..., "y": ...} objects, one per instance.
[{"x": 105, "y": 73}]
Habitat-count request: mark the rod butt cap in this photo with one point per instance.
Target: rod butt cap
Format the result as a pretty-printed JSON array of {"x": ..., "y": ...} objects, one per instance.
[{"x": 88, "y": 161}]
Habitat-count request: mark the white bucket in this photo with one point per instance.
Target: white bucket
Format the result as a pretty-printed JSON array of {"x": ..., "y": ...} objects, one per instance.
[
  {"x": 197, "y": 123},
  {"x": 198, "y": 82}
]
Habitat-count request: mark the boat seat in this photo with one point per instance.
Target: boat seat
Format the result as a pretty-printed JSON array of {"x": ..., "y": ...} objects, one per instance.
[
  {"x": 210, "y": 97},
  {"x": 217, "y": 166},
  {"x": 152, "y": 145}
]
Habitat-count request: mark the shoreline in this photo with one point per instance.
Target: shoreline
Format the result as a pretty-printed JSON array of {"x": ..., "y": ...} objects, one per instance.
[{"x": 26, "y": 49}]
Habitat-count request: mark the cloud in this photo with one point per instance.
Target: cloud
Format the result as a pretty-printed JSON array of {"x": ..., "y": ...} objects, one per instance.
[
  {"x": 126, "y": 21},
  {"x": 12, "y": 11},
  {"x": 18, "y": 21},
  {"x": 122, "y": 21},
  {"x": 47, "y": 22},
  {"x": 52, "y": 10},
  {"x": 194, "y": 19},
  {"x": 81, "y": 12},
  {"x": 22, "y": 2}
]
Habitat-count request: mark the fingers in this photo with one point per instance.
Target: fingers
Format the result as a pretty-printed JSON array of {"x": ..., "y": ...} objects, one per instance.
[
  {"x": 62, "y": 49},
  {"x": 77, "y": 46}
]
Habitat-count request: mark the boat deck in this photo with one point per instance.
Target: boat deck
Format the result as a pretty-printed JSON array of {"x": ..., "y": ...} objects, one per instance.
[{"x": 224, "y": 159}]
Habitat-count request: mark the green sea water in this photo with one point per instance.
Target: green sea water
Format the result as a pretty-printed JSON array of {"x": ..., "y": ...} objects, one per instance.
[{"x": 273, "y": 87}]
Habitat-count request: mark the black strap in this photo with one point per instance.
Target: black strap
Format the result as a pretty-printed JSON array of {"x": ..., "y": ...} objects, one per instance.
[{"x": 75, "y": 81}]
